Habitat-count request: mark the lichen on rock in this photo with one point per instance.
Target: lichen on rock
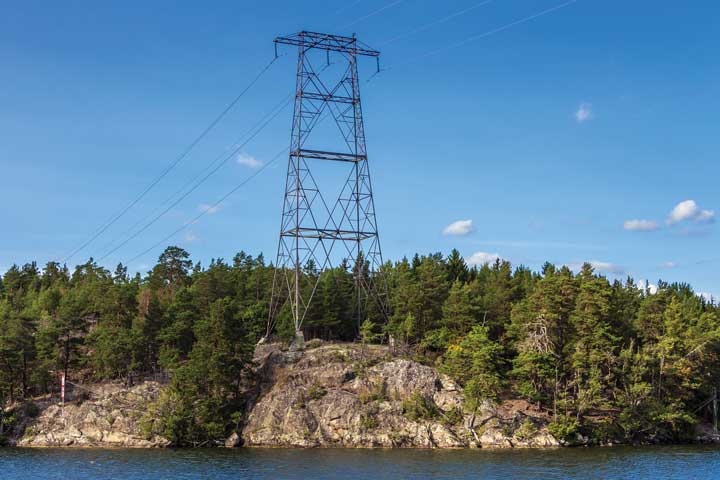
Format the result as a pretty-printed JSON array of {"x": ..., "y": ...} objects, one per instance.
[
  {"x": 110, "y": 418},
  {"x": 366, "y": 395},
  {"x": 332, "y": 395}
]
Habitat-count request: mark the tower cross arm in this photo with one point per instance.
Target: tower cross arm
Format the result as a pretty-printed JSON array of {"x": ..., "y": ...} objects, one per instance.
[
  {"x": 325, "y": 41},
  {"x": 310, "y": 227}
]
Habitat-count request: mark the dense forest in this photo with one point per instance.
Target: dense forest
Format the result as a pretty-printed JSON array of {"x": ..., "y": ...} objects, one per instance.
[{"x": 604, "y": 357}]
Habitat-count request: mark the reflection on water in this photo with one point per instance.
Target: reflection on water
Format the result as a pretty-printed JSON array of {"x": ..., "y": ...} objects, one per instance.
[{"x": 697, "y": 463}]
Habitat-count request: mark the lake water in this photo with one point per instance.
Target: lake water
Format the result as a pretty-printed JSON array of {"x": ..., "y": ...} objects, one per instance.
[{"x": 655, "y": 463}]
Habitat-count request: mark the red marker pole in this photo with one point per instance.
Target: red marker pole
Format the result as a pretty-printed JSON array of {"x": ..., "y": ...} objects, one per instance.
[{"x": 62, "y": 389}]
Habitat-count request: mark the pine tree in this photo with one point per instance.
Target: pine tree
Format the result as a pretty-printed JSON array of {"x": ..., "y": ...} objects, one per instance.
[
  {"x": 70, "y": 326},
  {"x": 476, "y": 362},
  {"x": 460, "y": 311},
  {"x": 594, "y": 350},
  {"x": 456, "y": 267}
]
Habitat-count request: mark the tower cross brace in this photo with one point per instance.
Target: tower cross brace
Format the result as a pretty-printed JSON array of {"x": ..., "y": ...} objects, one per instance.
[{"x": 313, "y": 230}]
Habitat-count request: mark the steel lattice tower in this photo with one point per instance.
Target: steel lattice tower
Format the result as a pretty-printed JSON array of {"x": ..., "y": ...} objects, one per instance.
[{"x": 312, "y": 230}]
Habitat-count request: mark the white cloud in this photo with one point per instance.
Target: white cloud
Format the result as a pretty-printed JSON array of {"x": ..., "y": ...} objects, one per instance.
[
  {"x": 641, "y": 225},
  {"x": 204, "y": 207},
  {"x": 461, "y": 227},
  {"x": 584, "y": 113},
  {"x": 651, "y": 288},
  {"x": 705, "y": 216},
  {"x": 190, "y": 237},
  {"x": 668, "y": 265},
  {"x": 606, "y": 267},
  {"x": 708, "y": 297},
  {"x": 598, "y": 266},
  {"x": 541, "y": 244},
  {"x": 689, "y": 210},
  {"x": 482, "y": 258},
  {"x": 249, "y": 161}
]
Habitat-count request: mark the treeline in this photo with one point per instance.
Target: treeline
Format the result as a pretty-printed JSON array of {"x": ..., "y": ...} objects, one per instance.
[{"x": 606, "y": 358}]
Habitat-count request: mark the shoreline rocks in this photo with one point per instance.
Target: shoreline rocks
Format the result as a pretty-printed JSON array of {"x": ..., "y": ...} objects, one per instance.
[
  {"x": 355, "y": 396},
  {"x": 332, "y": 395},
  {"x": 110, "y": 418}
]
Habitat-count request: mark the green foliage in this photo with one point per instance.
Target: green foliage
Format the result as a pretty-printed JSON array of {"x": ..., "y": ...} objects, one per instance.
[
  {"x": 604, "y": 431},
  {"x": 338, "y": 356},
  {"x": 574, "y": 344},
  {"x": 368, "y": 419},
  {"x": 315, "y": 392},
  {"x": 369, "y": 333},
  {"x": 475, "y": 361},
  {"x": 417, "y": 408},
  {"x": 10, "y": 419},
  {"x": 437, "y": 340},
  {"x": 564, "y": 429},
  {"x": 377, "y": 393},
  {"x": 526, "y": 430},
  {"x": 454, "y": 416},
  {"x": 534, "y": 373},
  {"x": 460, "y": 311},
  {"x": 312, "y": 344},
  {"x": 197, "y": 407}
]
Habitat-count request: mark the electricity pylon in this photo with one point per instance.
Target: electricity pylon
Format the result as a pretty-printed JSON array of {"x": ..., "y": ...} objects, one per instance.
[{"x": 312, "y": 228}]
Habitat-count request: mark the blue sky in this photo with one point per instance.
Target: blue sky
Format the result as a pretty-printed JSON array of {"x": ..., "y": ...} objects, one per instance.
[{"x": 588, "y": 133}]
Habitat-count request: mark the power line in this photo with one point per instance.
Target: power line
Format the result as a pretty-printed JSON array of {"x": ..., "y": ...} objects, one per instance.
[
  {"x": 436, "y": 22},
  {"x": 346, "y": 7},
  {"x": 224, "y": 197},
  {"x": 274, "y": 112},
  {"x": 210, "y": 208},
  {"x": 196, "y": 185},
  {"x": 373, "y": 13},
  {"x": 485, "y": 34},
  {"x": 172, "y": 165},
  {"x": 270, "y": 113}
]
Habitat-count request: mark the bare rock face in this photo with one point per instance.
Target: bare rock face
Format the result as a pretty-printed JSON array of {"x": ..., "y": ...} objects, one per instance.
[
  {"x": 233, "y": 441},
  {"x": 111, "y": 418},
  {"x": 334, "y": 395},
  {"x": 347, "y": 395}
]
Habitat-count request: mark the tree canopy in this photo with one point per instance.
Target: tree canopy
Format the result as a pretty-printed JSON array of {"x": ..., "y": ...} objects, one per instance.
[{"x": 574, "y": 343}]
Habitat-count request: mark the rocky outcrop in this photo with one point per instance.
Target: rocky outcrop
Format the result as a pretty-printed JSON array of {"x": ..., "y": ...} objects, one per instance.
[
  {"x": 109, "y": 418},
  {"x": 355, "y": 396},
  {"x": 333, "y": 395}
]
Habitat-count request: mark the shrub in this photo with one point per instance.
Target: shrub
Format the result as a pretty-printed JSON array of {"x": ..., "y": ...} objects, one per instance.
[
  {"x": 454, "y": 416},
  {"x": 416, "y": 407},
  {"x": 336, "y": 356},
  {"x": 10, "y": 419},
  {"x": 475, "y": 362},
  {"x": 315, "y": 392},
  {"x": 368, "y": 419},
  {"x": 564, "y": 429},
  {"x": 368, "y": 422},
  {"x": 361, "y": 366},
  {"x": 604, "y": 431},
  {"x": 378, "y": 393},
  {"x": 526, "y": 430},
  {"x": 368, "y": 333}
]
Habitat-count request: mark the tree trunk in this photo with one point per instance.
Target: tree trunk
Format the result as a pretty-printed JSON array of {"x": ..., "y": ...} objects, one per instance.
[{"x": 24, "y": 375}]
